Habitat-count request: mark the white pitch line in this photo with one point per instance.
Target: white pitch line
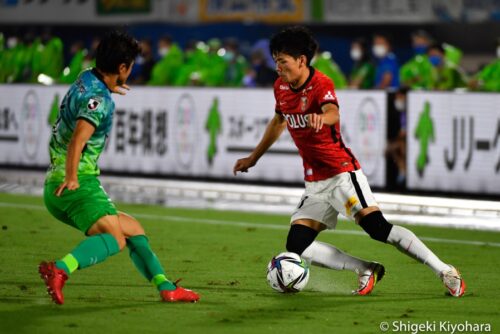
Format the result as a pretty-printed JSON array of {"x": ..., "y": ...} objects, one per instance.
[{"x": 254, "y": 225}]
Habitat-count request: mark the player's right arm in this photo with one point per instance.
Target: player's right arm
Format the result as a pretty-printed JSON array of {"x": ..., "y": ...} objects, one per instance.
[
  {"x": 272, "y": 133},
  {"x": 83, "y": 132}
]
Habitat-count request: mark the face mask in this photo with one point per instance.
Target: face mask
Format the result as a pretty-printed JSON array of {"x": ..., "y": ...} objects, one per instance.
[
  {"x": 498, "y": 52},
  {"x": 356, "y": 54},
  {"x": 229, "y": 56},
  {"x": 435, "y": 60},
  {"x": 162, "y": 52},
  {"x": 11, "y": 42},
  {"x": 86, "y": 64},
  {"x": 140, "y": 60},
  {"x": 419, "y": 49},
  {"x": 399, "y": 105},
  {"x": 379, "y": 51}
]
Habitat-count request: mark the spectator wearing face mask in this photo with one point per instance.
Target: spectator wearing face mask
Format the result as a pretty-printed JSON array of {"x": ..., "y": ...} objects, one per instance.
[
  {"x": 214, "y": 73},
  {"x": 48, "y": 57},
  {"x": 9, "y": 68},
  {"x": 362, "y": 75},
  {"x": 75, "y": 66},
  {"x": 446, "y": 75},
  {"x": 259, "y": 74},
  {"x": 170, "y": 57},
  {"x": 417, "y": 72},
  {"x": 488, "y": 79},
  {"x": 141, "y": 72},
  {"x": 386, "y": 68},
  {"x": 396, "y": 146},
  {"x": 236, "y": 63}
]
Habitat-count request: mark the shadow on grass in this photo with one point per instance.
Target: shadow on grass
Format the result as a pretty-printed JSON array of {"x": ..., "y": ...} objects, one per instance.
[
  {"x": 35, "y": 283},
  {"x": 30, "y": 314},
  {"x": 309, "y": 305}
]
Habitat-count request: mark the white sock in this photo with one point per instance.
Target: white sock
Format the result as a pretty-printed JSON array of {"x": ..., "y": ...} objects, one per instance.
[
  {"x": 407, "y": 242},
  {"x": 325, "y": 255}
]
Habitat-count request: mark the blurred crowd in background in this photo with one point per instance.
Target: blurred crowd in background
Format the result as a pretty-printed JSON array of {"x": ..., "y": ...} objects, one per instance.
[{"x": 221, "y": 63}]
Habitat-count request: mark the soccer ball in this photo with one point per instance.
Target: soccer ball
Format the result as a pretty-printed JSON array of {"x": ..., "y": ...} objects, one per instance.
[{"x": 287, "y": 272}]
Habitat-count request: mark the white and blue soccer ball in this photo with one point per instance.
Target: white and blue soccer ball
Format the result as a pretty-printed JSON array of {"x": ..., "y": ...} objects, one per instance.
[{"x": 287, "y": 272}]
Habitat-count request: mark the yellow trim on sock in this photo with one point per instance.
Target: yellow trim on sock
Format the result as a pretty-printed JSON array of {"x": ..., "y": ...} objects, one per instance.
[
  {"x": 71, "y": 262},
  {"x": 158, "y": 279}
]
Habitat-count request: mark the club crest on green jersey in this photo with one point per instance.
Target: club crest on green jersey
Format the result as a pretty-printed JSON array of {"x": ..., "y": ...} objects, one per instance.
[{"x": 93, "y": 104}]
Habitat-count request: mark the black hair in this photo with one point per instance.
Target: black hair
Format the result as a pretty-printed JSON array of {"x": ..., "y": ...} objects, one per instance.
[
  {"x": 436, "y": 46},
  {"x": 294, "y": 41},
  {"x": 403, "y": 90},
  {"x": 116, "y": 47},
  {"x": 166, "y": 38},
  {"x": 364, "y": 46},
  {"x": 385, "y": 35},
  {"x": 423, "y": 34}
]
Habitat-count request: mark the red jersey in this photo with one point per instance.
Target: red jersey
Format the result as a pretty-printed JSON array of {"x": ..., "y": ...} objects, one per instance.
[{"x": 324, "y": 154}]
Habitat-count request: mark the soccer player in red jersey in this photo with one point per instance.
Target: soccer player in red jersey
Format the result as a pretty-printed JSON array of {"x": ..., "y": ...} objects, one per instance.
[{"x": 334, "y": 183}]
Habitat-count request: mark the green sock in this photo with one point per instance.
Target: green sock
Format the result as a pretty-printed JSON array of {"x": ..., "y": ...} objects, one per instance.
[
  {"x": 90, "y": 251},
  {"x": 147, "y": 262}
]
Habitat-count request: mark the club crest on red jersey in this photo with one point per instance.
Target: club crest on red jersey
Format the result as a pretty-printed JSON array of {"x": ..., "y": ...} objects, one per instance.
[{"x": 303, "y": 105}]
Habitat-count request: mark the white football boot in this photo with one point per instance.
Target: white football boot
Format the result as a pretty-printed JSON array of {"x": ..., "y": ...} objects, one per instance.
[
  {"x": 453, "y": 281},
  {"x": 369, "y": 278}
]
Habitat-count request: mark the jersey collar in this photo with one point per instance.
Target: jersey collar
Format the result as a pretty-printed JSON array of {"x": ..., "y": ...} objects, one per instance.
[
  {"x": 311, "y": 73},
  {"x": 100, "y": 77}
]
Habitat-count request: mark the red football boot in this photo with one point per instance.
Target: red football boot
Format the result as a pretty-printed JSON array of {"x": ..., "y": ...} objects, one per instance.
[
  {"x": 179, "y": 295},
  {"x": 54, "y": 279}
]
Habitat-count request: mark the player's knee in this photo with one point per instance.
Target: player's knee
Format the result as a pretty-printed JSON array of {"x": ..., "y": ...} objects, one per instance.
[
  {"x": 376, "y": 226},
  {"x": 299, "y": 238},
  {"x": 129, "y": 225},
  {"x": 122, "y": 243},
  {"x": 120, "y": 240}
]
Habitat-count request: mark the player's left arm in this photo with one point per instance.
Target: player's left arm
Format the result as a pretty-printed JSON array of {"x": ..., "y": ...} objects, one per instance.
[
  {"x": 330, "y": 116},
  {"x": 83, "y": 131},
  {"x": 386, "y": 80}
]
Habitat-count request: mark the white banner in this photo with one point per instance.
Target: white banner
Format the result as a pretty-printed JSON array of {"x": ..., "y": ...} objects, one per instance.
[
  {"x": 453, "y": 142},
  {"x": 197, "y": 132}
]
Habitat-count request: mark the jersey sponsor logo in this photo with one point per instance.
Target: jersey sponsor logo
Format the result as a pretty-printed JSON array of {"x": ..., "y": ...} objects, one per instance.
[
  {"x": 296, "y": 121},
  {"x": 351, "y": 202},
  {"x": 93, "y": 104},
  {"x": 284, "y": 87},
  {"x": 81, "y": 86},
  {"x": 329, "y": 96}
]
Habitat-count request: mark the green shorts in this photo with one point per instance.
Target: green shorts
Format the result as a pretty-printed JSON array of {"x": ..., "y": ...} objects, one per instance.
[{"x": 79, "y": 208}]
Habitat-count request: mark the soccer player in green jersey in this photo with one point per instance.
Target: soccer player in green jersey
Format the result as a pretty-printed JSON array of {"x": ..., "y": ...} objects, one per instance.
[{"x": 73, "y": 193}]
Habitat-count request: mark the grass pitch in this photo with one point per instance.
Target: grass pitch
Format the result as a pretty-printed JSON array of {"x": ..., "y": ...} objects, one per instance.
[{"x": 223, "y": 256}]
